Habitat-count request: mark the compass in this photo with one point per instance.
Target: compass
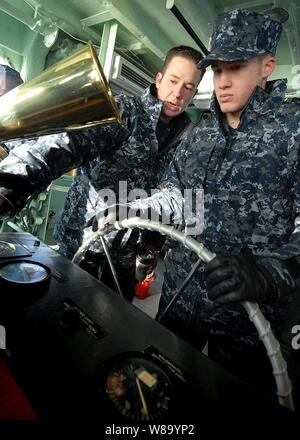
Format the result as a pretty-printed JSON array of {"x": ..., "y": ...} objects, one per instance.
[
  {"x": 23, "y": 278},
  {"x": 138, "y": 388}
]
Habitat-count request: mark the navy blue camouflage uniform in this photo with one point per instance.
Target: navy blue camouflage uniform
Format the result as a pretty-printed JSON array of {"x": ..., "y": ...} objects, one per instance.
[
  {"x": 129, "y": 152},
  {"x": 136, "y": 152},
  {"x": 250, "y": 178},
  {"x": 251, "y": 182}
]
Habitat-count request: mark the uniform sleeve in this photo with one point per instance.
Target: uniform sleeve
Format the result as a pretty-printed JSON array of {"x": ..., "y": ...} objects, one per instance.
[
  {"x": 167, "y": 203},
  {"x": 284, "y": 262},
  {"x": 31, "y": 166}
]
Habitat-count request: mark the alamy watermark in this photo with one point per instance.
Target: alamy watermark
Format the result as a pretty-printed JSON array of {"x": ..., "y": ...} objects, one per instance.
[
  {"x": 171, "y": 207},
  {"x": 2, "y": 338},
  {"x": 296, "y": 338}
]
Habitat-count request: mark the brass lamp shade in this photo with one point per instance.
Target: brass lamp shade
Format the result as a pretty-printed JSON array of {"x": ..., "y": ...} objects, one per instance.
[{"x": 69, "y": 95}]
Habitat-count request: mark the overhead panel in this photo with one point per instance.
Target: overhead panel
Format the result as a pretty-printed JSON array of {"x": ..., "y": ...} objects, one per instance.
[
  {"x": 146, "y": 29},
  {"x": 200, "y": 15},
  {"x": 66, "y": 15},
  {"x": 130, "y": 15}
]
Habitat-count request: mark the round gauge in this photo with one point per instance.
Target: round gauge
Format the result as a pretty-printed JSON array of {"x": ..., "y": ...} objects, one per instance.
[
  {"x": 25, "y": 275},
  {"x": 23, "y": 272},
  {"x": 138, "y": 388}
]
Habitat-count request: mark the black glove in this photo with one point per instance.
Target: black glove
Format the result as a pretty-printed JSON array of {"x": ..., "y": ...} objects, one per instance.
[{"x": 238, "y": 278}]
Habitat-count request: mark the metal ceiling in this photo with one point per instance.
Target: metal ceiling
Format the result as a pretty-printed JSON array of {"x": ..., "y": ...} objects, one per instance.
[{"x": 146, "y": 29}]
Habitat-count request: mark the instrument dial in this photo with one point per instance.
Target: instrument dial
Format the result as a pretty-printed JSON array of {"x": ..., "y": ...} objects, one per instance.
[{"x": 139, "y": 389}]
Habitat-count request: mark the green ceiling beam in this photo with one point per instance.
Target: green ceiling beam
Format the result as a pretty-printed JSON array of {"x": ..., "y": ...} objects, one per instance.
[
  {"x": 107, "y": 46},
  {"x": 35, "y": 55},
  {"x": 99, "y": 18},
  {"x": 66, "y": 19},
  {"x": 12, "y": 33},
  {"x": 132, "y": 17}
]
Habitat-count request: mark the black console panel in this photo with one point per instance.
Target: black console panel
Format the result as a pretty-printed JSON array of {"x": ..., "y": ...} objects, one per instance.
[{"x": 79, "y": 352}]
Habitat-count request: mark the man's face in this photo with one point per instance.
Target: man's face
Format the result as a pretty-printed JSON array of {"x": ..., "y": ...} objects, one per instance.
[
  {"x": 235, "y": 81},
  {"x": 177, "y": 86}
]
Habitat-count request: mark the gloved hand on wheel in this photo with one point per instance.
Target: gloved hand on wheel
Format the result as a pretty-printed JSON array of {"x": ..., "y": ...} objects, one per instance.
[
  {"x": 162, "y": 206},
  {"x": 239, "y": 278}
]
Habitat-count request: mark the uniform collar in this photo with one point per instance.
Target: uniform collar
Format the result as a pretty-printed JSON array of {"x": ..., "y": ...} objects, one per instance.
[
  {"x": 151, "y": 104},
  {"x": 261, "y": 102},
  {"x": 267, "y": 100}
]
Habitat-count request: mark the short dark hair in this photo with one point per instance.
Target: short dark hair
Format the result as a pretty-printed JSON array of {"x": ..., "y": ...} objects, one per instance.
[{"x": 185, "y": 52}]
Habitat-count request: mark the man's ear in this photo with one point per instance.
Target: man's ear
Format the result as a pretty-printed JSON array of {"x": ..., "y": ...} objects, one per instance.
[
  {"x": 158, "y": 79},
  {"x": 269, "y": 66}
]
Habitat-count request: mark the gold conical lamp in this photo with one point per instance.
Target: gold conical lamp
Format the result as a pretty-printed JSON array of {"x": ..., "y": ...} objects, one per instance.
[{"x": 69, "y": 95}]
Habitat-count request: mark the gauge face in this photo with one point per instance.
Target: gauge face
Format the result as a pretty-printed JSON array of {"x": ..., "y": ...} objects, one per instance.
[
  {"x": 23, "y": 272},
  {"x": 139, "y": 389}
]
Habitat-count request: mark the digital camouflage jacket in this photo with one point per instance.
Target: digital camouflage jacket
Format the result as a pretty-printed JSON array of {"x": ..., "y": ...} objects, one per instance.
[
  {"x": 118, "y": 152},
  {"x": 135, "y": 159},
  {"x": 251, "y": 182}
]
